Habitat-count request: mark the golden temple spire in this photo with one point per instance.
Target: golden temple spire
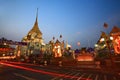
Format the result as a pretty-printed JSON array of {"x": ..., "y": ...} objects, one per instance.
[
  {"x": 115, "y": 30},
  {"x": 36, "y": 27},
  {"x": 37, "y": 15}
]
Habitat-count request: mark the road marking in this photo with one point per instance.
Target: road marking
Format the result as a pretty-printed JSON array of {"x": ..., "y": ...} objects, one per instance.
[
  {"x": 118, "y": 73},
  {"x": 96, "y": 78},
  {"x": 20, "y": 75},
  {"x": 65, "y": 75},
  {"x": 59, "y": 77},
  {"x": 72, "y": 73},
  {"x": 40, "y": 71},
  {"x": 75, "y": 75},
  {"x": 114, "y": 78},
  {"x": 81, "y": 76},
  {"x": 89, "y": 76},
  {"x": 105, "y": 78}
]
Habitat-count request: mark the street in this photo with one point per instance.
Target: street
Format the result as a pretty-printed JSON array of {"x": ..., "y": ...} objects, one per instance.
[{"x": 25, "y": 71}]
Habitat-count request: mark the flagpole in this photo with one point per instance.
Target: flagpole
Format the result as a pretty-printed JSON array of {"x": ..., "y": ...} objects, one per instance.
[{"x": 106, "y": 26}]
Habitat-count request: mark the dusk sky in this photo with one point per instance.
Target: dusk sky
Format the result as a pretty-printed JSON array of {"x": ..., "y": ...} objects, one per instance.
[{"x": 76, "y": 20}]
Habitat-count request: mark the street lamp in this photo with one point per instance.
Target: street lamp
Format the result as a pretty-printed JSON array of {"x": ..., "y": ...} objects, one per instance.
[
  {"x": 102, "y": 39},
  {"x": 96, "y": 45},
  {"x": 107, "y": 39},
  {"x": 111, "y": 38}
]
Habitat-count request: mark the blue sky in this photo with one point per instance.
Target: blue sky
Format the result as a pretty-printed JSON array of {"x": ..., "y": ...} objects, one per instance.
[{"x": 76, "y": 20}]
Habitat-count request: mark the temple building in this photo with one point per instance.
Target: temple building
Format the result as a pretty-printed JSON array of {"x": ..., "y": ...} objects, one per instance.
[
  {"x": 57, "y": 49},
  {"x": 36, "y": 45},
  {"x": 33, "y": 39},
  {"x": 115, "y": 33},
  {"x": 6, "y": 50},
  {"x": 109, "y": 42}
]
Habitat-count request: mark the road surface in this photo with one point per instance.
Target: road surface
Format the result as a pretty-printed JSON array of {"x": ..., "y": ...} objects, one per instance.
[{"x": 25, "y": 71}]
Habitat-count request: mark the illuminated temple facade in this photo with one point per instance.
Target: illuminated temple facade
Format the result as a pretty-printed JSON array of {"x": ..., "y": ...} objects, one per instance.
[
  {"x": 34, "y": 41},
  {"x": 111, "y": 41},
  {"x": 115, "y": 33},
  {"x": 36, "y": 45}
]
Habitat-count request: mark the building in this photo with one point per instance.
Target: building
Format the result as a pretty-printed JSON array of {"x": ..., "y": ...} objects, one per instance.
[
  {"x": 115, "y": 33},
  {"x": 36, "y": 45},
  {"x": 109, "y": 42},
  {"x": 6, "y": 51},
  {"x": 34, "y": 41}
]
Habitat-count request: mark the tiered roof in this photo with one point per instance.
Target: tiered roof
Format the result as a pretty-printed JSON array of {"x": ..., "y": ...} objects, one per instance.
[
  {"x": 115, "y": 31},
  {"x": 35, "y": 28}
]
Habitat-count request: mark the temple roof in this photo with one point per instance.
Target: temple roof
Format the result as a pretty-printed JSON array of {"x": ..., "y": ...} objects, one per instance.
[
  {"x": 57, "y": 42},
  {"x": 115, "y": 30},
  {"x": 35, "y": 28},
  {"x": 34, "y": 33},
  {"x": 103, "y": 35}
]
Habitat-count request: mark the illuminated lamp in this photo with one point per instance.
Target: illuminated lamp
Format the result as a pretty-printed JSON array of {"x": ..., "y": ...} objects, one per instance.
[
  {"x": 96, "y": 45},
  {"x": 5, "y": 44},
  {"x": 111, "y": 38},
  {"x": 104, "y": 45},
  {"x": 78, "y": 43},
  {"x": 3, "y": 54},
  {"x": 102, "y": 39}
]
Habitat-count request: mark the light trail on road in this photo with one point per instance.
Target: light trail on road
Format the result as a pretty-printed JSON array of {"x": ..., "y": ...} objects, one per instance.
[
  {"x": 23, "y": 63},
  {"x": 45, "y": 72}
]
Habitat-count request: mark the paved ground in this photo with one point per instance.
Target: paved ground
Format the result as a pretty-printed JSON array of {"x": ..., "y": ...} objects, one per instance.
[{"x": 23, "y": 71}]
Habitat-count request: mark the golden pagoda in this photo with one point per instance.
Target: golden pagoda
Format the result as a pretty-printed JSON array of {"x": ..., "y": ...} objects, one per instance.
[
  {"x": 33, "y": 39},
  {"x": 34, "y": 35}
]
